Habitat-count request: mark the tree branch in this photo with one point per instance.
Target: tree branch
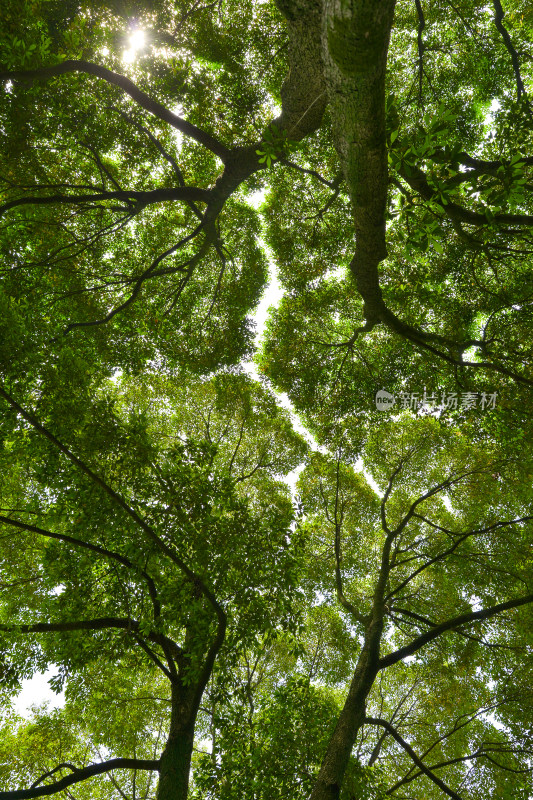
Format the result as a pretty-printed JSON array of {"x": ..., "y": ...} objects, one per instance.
[
  {"x": 151, "y": 272},
  {"x": 141, "y": 199},
  {"x": 121, "y": 503},
  {"x": 141, "y": 98},
  {"x": 443, "y": 627},
  {"x": 498, "y": 21},
  {"x": 111, "y": 554},
  {"x": 408, "y": 749},
  {"x": 458, "y": 541},
  {"x": 425, "y": 621},
  {"x": 345, "y": 603},
  {"x": 100, "y": 623},
  {"x": 79, "y": 775},
  {"x": 417, "y": 180},
  {"x": 421, "y": 47},
  {"x": 482, "y": 752}
]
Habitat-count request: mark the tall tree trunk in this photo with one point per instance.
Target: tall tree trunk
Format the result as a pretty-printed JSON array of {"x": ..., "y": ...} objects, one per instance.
[
  {"x": 176, "y": 758},
  {"x": 352, "y": 716},
  {"x": 355, "y": 42}
]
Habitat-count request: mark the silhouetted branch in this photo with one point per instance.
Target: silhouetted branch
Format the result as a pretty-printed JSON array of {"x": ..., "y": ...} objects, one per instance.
[
  {"x": 408, "y": 749},
  {"x": 82, "y": 774},
  {"x": 498, "y": 21},
  {"x": 127, "y": 86},
  {"x": 443, "y": 627},
  {"x": 121, "y": 503}
]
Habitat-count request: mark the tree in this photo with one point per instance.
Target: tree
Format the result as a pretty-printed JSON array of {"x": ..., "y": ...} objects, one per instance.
[{"x": 151, "y": 549}]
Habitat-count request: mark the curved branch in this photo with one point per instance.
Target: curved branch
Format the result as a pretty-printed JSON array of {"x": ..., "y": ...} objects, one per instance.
[
  {"x": 338, "y": 519},
  {"x": 111, "y": 554},
  {"x": 141, "y": 98},
  {"x": 375, "y": 310},
  {"x": 386, "y": 496},
  {"x": 417, "y": 180},
  {"x": 121, "y": 503},
  {"x": 151, "y": 272},
  {"x": 499, "y": 14},
  {"x": 425, "y": 621},
  {"x": 486, "y": 167},
  {"x": 482, "y": 752},
  {"x": 461, "y": 537},
  {"x": 155, "y": 141},
  {"x": 79, "y": 775},
  {"x": 98, "y": 624},
  {"x": 303, "y": 96},
  {"x": 409, "y": 750},
  {"x": 450, "y": 624},
  {"x": 141, "y": 199},
  {"x": 445, "y": 484}
]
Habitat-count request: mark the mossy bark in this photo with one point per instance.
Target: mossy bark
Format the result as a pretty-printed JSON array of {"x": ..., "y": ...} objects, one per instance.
[
  {"x": 303, "y": 93},
  {"x": 355, "y": 40}
]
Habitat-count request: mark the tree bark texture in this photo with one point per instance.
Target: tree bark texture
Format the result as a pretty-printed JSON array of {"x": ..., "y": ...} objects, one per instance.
[
  {"x": 175, "y": 763},
  {"x": 355, "y": 41}
]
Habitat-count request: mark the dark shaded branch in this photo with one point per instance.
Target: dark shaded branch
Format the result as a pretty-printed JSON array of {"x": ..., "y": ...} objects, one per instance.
[
  {"x": 417, "y": 180},
  {"x": 127, "y": 86},
  {"x": 111, "y": 554},
  {"x": 121, "y": 503},
  {"x": 421, "y": 46},
  {"x": 152, "y": 272},
  {"x": 458, "y": 541},
  {"x": 79, "y": 775},
  {"x": 104, "y": 171},
  {"x": 138, "y": 200},
  {"x": 338, "y": 519},
  {"x": 408, "y": 749},
  {"x": 153, "y": 657},
  {"x": 448, "y": 350},
  {"x": 498, "y": 21},
  {"x": 348, "y": 343},
  {"x": 443, "y": 627},
  {"x": 355, "y": 61},
  {"x": 155, "y": 141},
  {"x": 98, "y": 624},
  {"x": 396, "y": 713},
  {"x": 303, "y": 92},
  {"x": 52, "y": 771},
  {"x": 386, "y": 496},
  {"x": 482, "y": 752},
  {"x": 334, "y": 184},
  {"x": 430, "y": 623},
  {"x": 445, "y": 484},
  {"x": 486, "y": 167}
]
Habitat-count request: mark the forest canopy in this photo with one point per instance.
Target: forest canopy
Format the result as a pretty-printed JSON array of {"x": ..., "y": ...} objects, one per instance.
[{"x": 297, "y": 565}]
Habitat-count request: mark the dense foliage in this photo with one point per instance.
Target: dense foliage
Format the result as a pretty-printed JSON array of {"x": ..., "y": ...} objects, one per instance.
[{"x": 233, "y": 610}]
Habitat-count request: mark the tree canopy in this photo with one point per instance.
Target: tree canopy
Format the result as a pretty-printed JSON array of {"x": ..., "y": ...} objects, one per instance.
[{"x": 235, "y": 610}]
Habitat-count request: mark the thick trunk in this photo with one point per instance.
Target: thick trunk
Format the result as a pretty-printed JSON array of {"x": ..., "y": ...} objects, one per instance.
[
  {"x": 331, "y": 775},
  {"x": 175, "y": 761},
  {"x": 303, "y": 92},
  {"x": 355, "y": 45}
]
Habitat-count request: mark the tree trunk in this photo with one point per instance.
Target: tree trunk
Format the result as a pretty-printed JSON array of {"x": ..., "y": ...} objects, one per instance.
[
  {"x": 176, "y": 758},
  {"x": 355, "y": 45},
  {"x": 331, "y": 775}
]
